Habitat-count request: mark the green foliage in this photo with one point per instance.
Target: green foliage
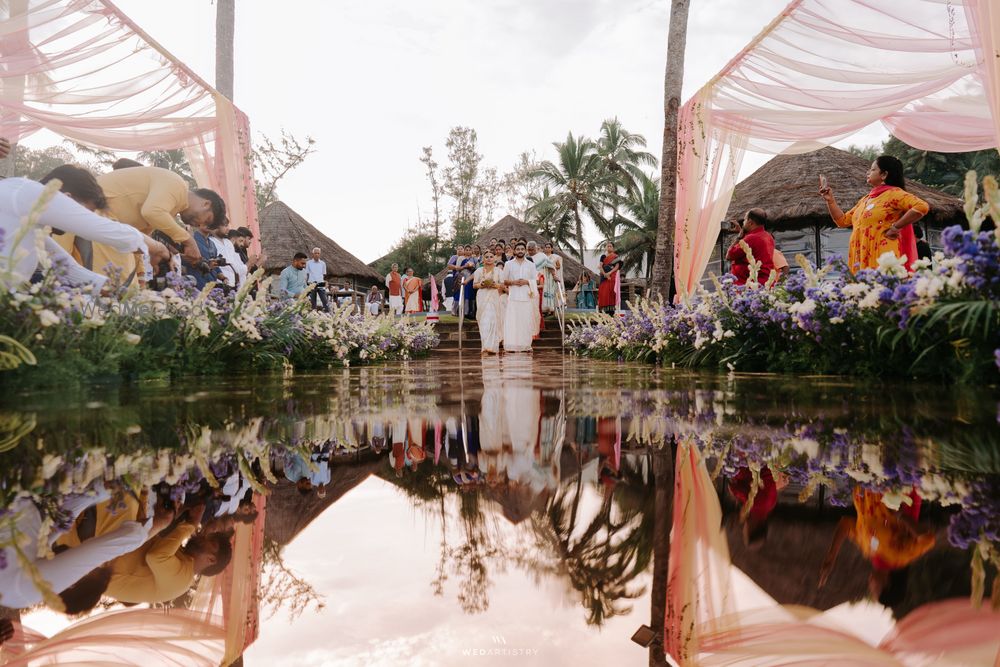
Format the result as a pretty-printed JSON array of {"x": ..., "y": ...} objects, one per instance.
[
  {"x": 635, "y": 224},
  {"x": 273, "y": 159},
  {"x": 945, "y": 171},
  {"x": 173, "y": 160},
  {"x": 416, "y": 250}
]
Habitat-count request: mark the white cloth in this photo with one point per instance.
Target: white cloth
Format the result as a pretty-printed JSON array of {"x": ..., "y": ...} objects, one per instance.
[
  {"x": 315, "y": 271},
  {"x": 321, "y": 477},
  {"x": 396, "y": 304},
  {"x": 488, "y": 309},
  {"x": 374, "y": 307},
  {"x": 18, "y": 195},
  {"x": 236, "y": 486},
  {"x": 520, "y": 317},
  {"x": 228, "y": 271},
  {"x": 17, "y": 589}
]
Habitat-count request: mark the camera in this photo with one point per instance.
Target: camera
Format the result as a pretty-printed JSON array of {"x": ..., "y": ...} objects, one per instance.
[{"x": 218, "y": 261}]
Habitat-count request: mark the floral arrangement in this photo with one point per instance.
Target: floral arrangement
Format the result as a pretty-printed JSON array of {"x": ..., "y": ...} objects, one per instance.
[
  {"x": 940, "y": 321},
  {"x": 51, "y": 333}
]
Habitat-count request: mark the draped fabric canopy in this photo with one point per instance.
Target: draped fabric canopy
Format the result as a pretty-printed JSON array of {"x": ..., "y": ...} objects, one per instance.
[
  {"x": 84, "y": 70},
  {"x": 929, "y": 70}
]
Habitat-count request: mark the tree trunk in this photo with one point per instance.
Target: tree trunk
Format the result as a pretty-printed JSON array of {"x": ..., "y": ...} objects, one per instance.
[
  {"x": 663, "y": 474},
  {"x": 579, "y": 235},
  {"x": 225, "y": 27},
  {"x": 663, "y": 268}
]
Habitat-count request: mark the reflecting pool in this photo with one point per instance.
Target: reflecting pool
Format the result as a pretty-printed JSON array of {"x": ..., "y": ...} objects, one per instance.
[{"x": 536, "y": 511}]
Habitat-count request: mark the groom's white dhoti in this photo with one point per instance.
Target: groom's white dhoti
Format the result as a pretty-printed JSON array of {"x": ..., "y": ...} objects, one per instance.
[{"x": 519, "y": 320}]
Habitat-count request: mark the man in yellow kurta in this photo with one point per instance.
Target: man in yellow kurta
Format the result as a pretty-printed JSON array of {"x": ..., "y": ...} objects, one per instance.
[
  {"x": 162, "y": 569},
  {"x": 150, "y": 198}
]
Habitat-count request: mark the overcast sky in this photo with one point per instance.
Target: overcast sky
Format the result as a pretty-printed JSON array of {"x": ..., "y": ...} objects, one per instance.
[{"x": 375, "y": 80}]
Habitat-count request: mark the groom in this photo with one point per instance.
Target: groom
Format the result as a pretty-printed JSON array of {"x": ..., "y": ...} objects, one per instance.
[{"x": 519, "y": 276}]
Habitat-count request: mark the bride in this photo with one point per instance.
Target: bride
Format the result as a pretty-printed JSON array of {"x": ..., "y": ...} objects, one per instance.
[{"x": 488, "y": 280}]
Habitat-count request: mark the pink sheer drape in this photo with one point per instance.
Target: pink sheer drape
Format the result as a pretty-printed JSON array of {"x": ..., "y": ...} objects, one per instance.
[
  {"x": 705, "y": 626},
  {"x": 82, "y": 69},
  {"x": 148, "y": 637},
  {"x": 821, "y": 71}
]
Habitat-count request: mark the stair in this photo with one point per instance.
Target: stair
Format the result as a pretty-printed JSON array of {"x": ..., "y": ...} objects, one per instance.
[{"x": 549, "y": 340}]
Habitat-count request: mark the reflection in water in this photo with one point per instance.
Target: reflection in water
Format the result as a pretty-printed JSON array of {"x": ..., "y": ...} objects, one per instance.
[{"x": 611, "y": 483}]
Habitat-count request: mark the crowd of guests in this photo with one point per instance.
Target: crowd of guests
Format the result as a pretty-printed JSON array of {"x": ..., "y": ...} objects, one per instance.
[{"x": 883, "y": 221}]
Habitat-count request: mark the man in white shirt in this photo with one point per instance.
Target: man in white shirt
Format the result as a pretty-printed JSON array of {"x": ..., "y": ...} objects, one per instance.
[
  {"x": 234, "y": 270},
  {"x": 520, "y": 276},
  {"x": 394, "y": 283},
  {"x": 18, "y": 195},
  {"x": 316, "y": 276}
]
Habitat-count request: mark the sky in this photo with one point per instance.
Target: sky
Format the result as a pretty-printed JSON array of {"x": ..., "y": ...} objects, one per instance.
[{"x": 374, "y": 81}]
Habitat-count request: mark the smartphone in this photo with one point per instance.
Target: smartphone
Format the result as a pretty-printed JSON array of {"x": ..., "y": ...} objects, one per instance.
[{"x": 822, "y": 181}]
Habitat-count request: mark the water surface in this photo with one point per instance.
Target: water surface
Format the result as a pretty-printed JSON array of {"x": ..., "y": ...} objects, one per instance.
[{"x": 521, "y": 508}]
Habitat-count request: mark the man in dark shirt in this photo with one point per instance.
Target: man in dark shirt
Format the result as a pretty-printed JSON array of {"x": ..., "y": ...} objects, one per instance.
[
  {"x": 761, "y": 245},
  {"x": 923, "y": 247}
]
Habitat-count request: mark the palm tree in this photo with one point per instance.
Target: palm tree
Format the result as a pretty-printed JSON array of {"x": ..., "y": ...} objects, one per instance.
[
  {"x": 581, "y": 187},
  {"x": 636, "y": 225},
  {"x": 663, "y": 270},
  {"x": 172, "y": 160},
  {"x": 548, "y": 219},
  {"x": 620, "y": 154},
  {"x": 225, "y": 21}
]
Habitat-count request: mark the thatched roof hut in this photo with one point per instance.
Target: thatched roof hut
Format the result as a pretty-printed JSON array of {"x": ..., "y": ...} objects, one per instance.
[
  {"x": 289, "y": 512},
  {"x": 787, "y": 188},
  {"x": 509, "y": 227},
  {"x": 283, "y": 232}
]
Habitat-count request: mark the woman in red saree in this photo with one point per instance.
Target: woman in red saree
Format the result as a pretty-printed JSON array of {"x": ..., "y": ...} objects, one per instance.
[{"x": 607, "y": 299}]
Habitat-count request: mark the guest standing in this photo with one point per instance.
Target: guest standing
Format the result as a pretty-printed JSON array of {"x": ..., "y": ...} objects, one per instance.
[
  {"x": 585, "y": 289},
  {"x": 607, "y": 298},
  {"x": 519, "y": 276},
  {"x": 394, "y": 283},
  {"x": 411, "y": 289},
  {"x": 882, "y": 220},
  {"x": 488, "y": 281},
  {"x": 316, "y": 276},
  {"x": 552, "y": 269},
  {"x": 761, "y": 245}
]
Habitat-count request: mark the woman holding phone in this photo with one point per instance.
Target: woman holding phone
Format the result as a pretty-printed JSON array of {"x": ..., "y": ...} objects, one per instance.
[{"x": 882, "y": 220}]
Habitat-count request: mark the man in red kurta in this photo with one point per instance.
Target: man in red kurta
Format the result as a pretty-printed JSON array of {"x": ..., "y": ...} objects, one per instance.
[{"x": 761, "y": 245}]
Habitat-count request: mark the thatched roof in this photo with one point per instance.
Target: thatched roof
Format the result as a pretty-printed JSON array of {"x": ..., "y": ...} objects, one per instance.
[
  {"x": 509, "y": 227},
  {"x": 283, "y": 232},
  {"x": 786, "y": 187},
  {"x": 289, "y": 512}
]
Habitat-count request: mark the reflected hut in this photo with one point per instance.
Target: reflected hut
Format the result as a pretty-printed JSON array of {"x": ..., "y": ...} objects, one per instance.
[
  {"x": 283, "y": 232},
  {"x": 787, "y": 188}
]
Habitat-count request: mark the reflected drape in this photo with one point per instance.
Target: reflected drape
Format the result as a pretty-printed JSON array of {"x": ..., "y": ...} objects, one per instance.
[
  {"x": 82, "y": 69},
  {"x": 821, "y": 71},
  {"x": 148, "y": 637}
]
